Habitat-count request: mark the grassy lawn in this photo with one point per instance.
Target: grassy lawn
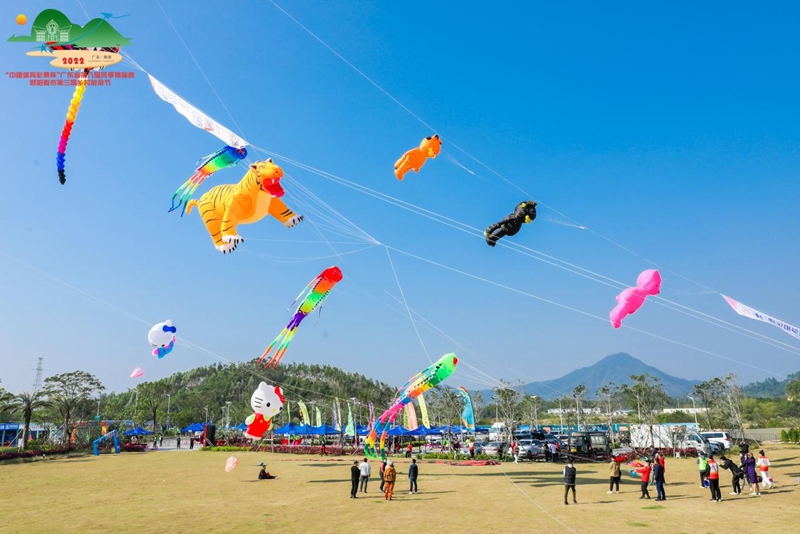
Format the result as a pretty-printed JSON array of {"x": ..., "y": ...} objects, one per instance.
[{"x": 184, "y": 491}]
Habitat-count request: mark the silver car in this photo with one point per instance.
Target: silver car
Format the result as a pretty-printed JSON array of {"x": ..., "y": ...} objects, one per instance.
[{"x": 495, "y": 448}]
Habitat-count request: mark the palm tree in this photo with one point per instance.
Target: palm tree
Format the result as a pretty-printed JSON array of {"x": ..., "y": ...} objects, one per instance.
[
  {"x": 7, "y": 404},
  {"x": 28, "y": 403}
]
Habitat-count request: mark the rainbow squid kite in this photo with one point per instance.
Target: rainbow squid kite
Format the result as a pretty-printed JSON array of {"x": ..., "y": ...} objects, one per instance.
[
  {"x": 322, "y": 286},
  {"x": 430, "y": 377},
  {"x": 222, "y": 159}
]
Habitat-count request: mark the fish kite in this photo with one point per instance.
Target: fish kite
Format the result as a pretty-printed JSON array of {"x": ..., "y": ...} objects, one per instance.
[
  {"x": 418, "y": 384},
  {"x": 467, "y": 414},
  {"x": 222, "y": 159},
  {"x": 320, "y": 288},
  {"x": 162, "y": 337},
  {"x": 416, "y": 157},
  {"x": 632, "y": 298},
  {"x": 524, "y": 213}
]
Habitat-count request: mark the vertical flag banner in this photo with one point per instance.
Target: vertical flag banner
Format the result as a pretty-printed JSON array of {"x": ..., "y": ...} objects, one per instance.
[{"x": 423, "y": 410}]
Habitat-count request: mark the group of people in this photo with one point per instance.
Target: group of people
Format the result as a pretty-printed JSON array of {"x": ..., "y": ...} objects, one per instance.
[
  {"x": 756, "y": 471},
  {"x": 360, "y": 473},
  {"x": 653, "y": 473}
]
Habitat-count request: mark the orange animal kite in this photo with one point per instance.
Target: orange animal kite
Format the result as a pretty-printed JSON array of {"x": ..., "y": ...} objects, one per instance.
[{"x": 415, "y": 158}]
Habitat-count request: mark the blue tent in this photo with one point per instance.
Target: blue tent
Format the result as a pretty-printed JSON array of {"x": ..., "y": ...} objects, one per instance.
[
  {"x": 398, "y": 431},
  {"x": 362, "y": 430},
  {"x": 289, "y": 428},
  {"x": 241, "y": 427},
  {"x": 138, "y": 431},
  {"x": 194, "y": 427}
]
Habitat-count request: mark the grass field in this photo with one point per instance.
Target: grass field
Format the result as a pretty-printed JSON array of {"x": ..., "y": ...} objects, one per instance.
[{"x": 183, "y": 491}]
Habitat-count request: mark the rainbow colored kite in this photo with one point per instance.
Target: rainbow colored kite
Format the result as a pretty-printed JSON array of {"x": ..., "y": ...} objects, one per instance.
[
  {"x": 467, "y": 414},
  {"x": 72, "y": 114},
  {"x": 322, "y": 286},
  {"x": 418, "y": 384},
  {"x": 222, "y": 159}
]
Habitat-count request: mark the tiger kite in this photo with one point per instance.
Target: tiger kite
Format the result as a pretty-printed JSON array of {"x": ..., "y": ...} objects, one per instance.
[{"x": 257, "y": 195}]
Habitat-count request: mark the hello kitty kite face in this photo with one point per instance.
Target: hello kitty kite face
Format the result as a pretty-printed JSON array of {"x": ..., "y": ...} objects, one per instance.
[
  {"x": 162, "y": 334},
  {"x": 267, "y": 400}
]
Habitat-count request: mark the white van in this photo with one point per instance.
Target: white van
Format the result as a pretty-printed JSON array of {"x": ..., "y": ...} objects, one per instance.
[{"x": 723, "y": 438}]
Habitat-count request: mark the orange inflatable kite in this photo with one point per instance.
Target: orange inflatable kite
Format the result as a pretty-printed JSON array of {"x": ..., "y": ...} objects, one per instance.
[{"x": 415, "y": 158}]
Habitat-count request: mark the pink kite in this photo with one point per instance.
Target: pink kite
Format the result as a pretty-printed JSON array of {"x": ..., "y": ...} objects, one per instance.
[
  {"x": 632, "y": 298},
  {"x": 231, "y": 464},
  {"x": 137, "y": 373}
]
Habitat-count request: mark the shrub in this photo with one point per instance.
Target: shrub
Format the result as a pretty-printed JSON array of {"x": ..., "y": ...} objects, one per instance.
[
  {"x": 132, "y": 447},
  {"x": 784, "y": 436},
  {"x": 31, "y": 453}
]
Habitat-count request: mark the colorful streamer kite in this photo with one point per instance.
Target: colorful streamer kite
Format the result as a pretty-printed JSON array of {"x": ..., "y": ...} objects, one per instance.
[
  {"x": 467, "y": 414},
  {"x": 322, "y": 286},
  {"x": 418, "y": 384},
  {"x": 222, "y": 159},
  {"x": 72, "y": 114},
  {"x": 423, "y": 411}
]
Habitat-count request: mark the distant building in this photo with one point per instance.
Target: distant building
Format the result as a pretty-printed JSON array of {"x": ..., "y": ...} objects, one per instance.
[{"x": 52, "y": 32}]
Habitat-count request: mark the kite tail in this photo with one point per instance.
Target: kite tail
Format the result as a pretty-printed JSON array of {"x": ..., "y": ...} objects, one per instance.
[
  {"x": 271, "y": 345},
  {"x": 187, "y": 190},
  {"x": 281, "y": 350},
  {"x": 72, "y": 114}
]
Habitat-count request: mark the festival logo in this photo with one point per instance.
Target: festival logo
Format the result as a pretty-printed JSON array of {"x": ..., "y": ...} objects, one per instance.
[{"x": 71, "y": 46}]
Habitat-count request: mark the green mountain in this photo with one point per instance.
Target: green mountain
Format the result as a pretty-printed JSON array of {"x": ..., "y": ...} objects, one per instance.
[
  {"x": 769, "y": 388},
  {"x": 188, "y": 394},
  {"x": 615, "y": 368}
]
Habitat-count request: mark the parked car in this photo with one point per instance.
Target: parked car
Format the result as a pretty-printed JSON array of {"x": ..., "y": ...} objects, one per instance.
[
  {"x": 532, "y": 449},
  {"x": 495, "y": 448},
  {"x": 479, "y": 445},
  {"x": 722, "y": 438}
]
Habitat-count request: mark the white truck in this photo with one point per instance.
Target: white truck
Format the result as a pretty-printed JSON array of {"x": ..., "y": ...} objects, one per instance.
[{"x": 668, "y": 437}]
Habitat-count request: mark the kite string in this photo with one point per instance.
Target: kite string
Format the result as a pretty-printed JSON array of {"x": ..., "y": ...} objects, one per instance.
[
  {"x": 469, "y": 155},
  {"x": 405, "y": 302},
  {"x": 539, "y": 256},
  {"x": 576, "y": 310}
]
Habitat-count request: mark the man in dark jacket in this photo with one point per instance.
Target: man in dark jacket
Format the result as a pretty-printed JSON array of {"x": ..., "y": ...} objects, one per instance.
[
  {"x": 355, "y": 475},
  {"x": 569, "y": 473},
  {"x": 658, "y": 478},
  {"x": 413, "y": 471},
  {"x": 736, "y": 473}
]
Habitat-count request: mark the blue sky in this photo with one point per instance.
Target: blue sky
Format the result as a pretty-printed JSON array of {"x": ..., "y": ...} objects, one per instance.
[{"x": 672, "y": 130}]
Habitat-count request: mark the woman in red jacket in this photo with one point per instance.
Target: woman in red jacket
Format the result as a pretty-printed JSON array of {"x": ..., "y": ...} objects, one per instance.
[{"x": 645, "y": 472}]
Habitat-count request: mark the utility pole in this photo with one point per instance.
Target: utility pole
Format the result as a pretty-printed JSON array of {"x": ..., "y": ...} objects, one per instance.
[
  {"x": 37, "y": 382},
  {"x": 694, "y": 409}
]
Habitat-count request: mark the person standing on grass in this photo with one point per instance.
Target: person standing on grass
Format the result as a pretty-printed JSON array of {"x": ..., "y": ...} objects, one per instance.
[
  {"x": 472, "y": 449},
  {"x": 645, "y": 473},
  {"x": 413, "y": 472},
  {"x": 570, "y": 473},
  {"x": 365, "y": 470},
  {"x": 744, "y": 448},
  {"x": 702, "y": 466},
  {"x": 382, "y": 471},
  {"x": 616, "y": 474},
  {"x": 554, "y": 452},
  {"x": 713, "y": 479},
  {"x": 763, "y": 467},
  {"x": 178, "y": 442},
  {"x": 750, "y": 469},
  {"x": 736, "y": 473},
  {"x": 409, "y": 449},
  {"x": 389, "y": 476},
  {"x": 355, "y": 474},
  {"x": 658, "y": 478}
]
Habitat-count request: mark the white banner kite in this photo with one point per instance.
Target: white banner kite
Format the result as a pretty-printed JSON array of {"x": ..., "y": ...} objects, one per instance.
[
  {"x": 197, "y": 117},
  {"x": 747, "y": 311}
]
